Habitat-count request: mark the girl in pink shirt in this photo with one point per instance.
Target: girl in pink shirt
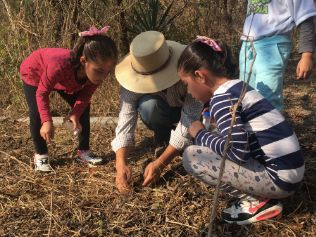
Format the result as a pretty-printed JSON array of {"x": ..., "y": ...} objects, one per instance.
[{"x": 75, "y": 75}]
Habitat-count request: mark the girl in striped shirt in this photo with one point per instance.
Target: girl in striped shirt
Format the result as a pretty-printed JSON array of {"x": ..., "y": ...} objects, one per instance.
[
  {"x": 264, "y": 161},
  {"x": 75, "y": 75}
]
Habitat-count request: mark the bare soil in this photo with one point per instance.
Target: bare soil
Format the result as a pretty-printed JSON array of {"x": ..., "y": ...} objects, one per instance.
[{"x": 79, "y": 201}]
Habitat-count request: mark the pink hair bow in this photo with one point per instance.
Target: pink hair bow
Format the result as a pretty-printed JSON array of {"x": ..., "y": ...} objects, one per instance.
[
  {"x": 209, "y": 42},
  {"x": 94, "y": 31}
]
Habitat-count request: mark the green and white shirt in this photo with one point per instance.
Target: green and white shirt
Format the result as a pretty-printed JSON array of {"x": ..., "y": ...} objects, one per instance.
[{"x": 276, "y": 17}]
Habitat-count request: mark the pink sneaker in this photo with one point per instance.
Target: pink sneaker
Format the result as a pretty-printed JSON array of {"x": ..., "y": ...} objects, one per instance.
[{"x": 89, "y": 158}]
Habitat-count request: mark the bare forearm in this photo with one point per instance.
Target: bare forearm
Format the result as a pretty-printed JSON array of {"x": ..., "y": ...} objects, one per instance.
[
  {"x": 168, "y": 156},
  {"x": 308, "y": 55},
  {"x": 122, "y": 155}
]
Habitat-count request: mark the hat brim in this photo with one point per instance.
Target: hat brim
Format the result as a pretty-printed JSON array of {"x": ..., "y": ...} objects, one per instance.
[{"x": 158, "y": 81}]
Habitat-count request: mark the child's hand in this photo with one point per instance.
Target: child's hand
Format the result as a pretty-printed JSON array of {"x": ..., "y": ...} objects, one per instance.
[
  {"x": 47, "y": 131},
  {"x": 305, "y": 66},
  {"x": 205, "y": 110},
  {"x": 75, "y": 121},
  {"x": 195, "y": 127}
]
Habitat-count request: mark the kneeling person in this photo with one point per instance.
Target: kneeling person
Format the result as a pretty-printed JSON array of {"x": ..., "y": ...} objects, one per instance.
[
  {"x": 152, "y": 87},
  {"x": 264, "y": 160}
]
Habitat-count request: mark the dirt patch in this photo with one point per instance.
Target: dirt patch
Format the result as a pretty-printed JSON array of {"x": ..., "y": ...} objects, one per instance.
[{"x": 85, "y": 202}]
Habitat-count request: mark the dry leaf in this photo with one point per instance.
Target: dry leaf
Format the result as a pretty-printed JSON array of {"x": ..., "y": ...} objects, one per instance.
[{"x": 296, "y": 226}]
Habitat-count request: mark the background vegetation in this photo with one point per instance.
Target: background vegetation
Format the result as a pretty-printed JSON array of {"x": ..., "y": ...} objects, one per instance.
[
  {"x": 78, "y": 201},
  {"x": 29, "y": 25}
]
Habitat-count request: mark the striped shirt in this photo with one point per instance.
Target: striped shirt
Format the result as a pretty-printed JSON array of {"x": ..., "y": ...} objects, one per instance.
[
  {"x": 49, "y": 70},
  {"x": 260, "y": 132},
  {"x": 176, "y": 96}
]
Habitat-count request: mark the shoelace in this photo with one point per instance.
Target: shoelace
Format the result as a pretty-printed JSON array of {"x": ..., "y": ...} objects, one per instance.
[
  {"x": 238, "y": 204},
  {"x": 93, "y": 156},
  {"x": 43, "y": 161}
]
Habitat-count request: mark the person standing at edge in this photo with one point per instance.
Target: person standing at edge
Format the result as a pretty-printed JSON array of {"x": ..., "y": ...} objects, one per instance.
[
  {"x": 152, "y": 87},
  {"x": 270, "y": 23}
]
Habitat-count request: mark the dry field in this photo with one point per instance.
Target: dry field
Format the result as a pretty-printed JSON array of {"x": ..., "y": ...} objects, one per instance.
[{"x": 78, "y": 201}]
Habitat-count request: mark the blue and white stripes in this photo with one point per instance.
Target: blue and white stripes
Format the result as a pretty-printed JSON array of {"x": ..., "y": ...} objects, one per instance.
[{"x": 260, "y": 132}]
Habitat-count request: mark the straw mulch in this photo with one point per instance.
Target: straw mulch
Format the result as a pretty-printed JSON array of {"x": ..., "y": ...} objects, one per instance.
[{"x": 78, "y": 201}]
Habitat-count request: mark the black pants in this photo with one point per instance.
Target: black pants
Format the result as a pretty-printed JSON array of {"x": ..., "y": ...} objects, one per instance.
[{"x": 35, "y": 120}]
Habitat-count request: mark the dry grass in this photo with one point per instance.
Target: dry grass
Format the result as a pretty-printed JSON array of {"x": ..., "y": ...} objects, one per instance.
[
  {"x": 78, "y": 201},
  {"x": 30, "y": 25},
  {"x": 85, "y": 202}
]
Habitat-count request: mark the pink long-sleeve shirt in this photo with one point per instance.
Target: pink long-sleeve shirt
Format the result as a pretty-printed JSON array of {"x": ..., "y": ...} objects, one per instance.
[{"x": 49, "y": 70}]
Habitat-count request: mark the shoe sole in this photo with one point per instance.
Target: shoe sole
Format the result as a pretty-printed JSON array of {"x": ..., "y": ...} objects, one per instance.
[
  {"x": 87, "y": 163},
  {"x": 266, "y": 214},
  {"x": 43, "y": 171}
]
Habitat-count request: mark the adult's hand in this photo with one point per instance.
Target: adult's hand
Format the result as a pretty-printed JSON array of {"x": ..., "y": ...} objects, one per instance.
[
  {"x": 123, "y": 172},
  {"x": 47, "y": 131},
  {"x": 305, "y": 66},
  {"x": 155, "y": 168},
  {"x": 153, "y": 172},
  {"x": 75, "y": 121},
  {"x": 123, "y": 179}
]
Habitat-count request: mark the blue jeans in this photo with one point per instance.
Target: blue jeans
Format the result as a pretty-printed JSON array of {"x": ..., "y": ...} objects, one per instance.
[
  {"x": 269, "y": 67},
  {"x": 158, "y": 116}
]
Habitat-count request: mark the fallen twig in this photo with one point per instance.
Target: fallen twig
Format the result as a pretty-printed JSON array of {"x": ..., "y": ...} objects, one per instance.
[
  {"x": 178, "y": 223},
  {"x": 12, "y": 157},
  {"x": 295, "y": 210}
]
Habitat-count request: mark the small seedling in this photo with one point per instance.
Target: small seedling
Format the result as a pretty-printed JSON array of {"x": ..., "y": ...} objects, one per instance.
[
  {"x": 56, "y": 138},
  {"x": 100, "y": 228},
  {"x": 68, "y": 138},
  {"x": 73, "y": 218}
]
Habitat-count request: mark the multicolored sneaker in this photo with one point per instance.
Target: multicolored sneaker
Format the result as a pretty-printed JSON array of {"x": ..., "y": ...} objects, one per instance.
[
  {"x": 41, "y": 163},
  {"x": 246, "y": 212},
  {"x": 89, "y": 158}
]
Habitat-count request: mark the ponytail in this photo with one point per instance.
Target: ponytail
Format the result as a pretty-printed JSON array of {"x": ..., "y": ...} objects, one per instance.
[{"x": 95, "y": 48}]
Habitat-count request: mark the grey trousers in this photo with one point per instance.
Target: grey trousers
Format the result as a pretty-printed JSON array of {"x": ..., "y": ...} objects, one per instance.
[{"x": 248, "y": 180}]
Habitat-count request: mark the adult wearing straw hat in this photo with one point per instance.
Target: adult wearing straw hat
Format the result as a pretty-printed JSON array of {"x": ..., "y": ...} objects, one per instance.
[{"x": 152, "y": 88}]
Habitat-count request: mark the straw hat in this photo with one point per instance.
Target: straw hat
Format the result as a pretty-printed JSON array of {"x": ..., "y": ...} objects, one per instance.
[{"x": 151, "y": 65}]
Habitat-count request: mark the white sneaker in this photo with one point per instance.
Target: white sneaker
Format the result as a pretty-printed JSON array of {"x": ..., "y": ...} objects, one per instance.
[
  {"x": 41, "y": 163},
  {"x": 245, "y": 212},
  {"x": 89, "y": 158}
]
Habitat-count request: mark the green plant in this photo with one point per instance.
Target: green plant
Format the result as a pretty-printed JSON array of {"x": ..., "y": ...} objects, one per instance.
[
  {"x": 56, "y": 138},
  {"x": 148, "y": 19},
  {"x": 67, "y": 138},
  {"x": 100, "y": 226}
]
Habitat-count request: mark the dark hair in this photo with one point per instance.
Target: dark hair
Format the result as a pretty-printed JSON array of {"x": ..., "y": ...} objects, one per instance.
[
  {"x": 199, "y": 55},
  {"x": 94, "y": 48}
]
